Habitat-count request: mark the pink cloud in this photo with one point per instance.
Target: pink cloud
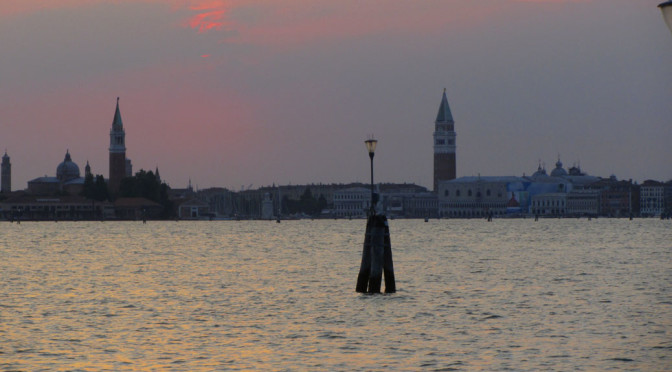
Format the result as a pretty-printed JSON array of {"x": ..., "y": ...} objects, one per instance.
[
  {"x": 211, "y": 15},
  {"x": 297, "y": 22},
  {"x": 293, "y": 22}
]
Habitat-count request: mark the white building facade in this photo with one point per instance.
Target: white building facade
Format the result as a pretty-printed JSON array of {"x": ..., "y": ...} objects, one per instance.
[
  {"x": 352, "y": 202},
  {"x": 652, "y": 198},
  {"x": 553, "y": 204},
  {"x": 467, "y": 197}
]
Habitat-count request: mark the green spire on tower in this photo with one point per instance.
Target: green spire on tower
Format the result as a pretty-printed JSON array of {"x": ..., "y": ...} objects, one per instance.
[
  {"x": 444, "y": 115},
  {"x": 116, "y": 122}
]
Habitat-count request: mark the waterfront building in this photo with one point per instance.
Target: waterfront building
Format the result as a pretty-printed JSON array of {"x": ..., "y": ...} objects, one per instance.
[
  {"x": 652, "y": 198},
  {"x": 54, "y": 207},
  {"x": 546, "y": 190},
  {"x": 444, "y": 144},
  {"x": 352, "y": 202},
  {"x": 67, "y": 180},
  {"x": 137, "y": 208},
  {"x": 250, "y": 203},
  {"x": 5, "y": 175},
  {"x": 409, "y": 202},
  {"x": 560, "y": 193},
  {"x": 481, "y": 196},
  {"x": 193, "y": 209},
  {"x": 294, "y": 192},
  {"x": 120, "y": 167},
  {"x": 421, "y": 205},
  {"x": 44, "y": 186},
  {"x": 404, "y": 200},
  {"x": 583, "y": 202},
  {"x": 617, "y": 198},
  {"x": 549, "y": 204}
]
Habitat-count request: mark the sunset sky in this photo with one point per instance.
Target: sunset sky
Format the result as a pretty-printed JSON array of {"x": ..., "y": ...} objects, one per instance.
[{"x": 239, "y": 92}]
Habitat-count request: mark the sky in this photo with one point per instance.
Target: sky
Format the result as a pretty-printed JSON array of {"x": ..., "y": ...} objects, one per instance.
[{"x": 249, "y": 93}]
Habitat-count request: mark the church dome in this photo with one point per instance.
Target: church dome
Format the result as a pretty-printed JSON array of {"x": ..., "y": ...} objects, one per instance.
[
  {"x": 67, "y": 170},
  {"x": 541, "y": 172},
  {"x": 558, "y": 171}
]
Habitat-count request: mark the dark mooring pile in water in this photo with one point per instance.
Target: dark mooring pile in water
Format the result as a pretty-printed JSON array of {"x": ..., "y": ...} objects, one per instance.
[{"x": 376, "y": 258}]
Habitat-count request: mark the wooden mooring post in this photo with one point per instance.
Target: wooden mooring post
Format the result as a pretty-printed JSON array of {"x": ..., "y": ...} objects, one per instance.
[{"x": 376, "y": 258}]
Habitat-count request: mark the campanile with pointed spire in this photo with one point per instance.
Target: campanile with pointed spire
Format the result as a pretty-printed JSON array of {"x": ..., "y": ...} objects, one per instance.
[
  {"x": 444, "y": 144},
  {"x": 117, "y": 152},
  {"x": 6, "y": 174}
]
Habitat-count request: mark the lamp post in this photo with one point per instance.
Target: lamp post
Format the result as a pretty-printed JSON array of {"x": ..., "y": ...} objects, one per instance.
[
  {"x": 377, "y": 252},
  {"x": 371, "y": 147},
  {"x": 666, "y": 8}
]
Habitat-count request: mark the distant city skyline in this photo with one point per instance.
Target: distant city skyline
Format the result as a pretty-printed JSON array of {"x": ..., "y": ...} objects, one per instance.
[{"x": 233, "y": 93}]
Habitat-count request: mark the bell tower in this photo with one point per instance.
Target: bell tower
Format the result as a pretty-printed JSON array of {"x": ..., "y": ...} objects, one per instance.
[
  {"x": 444, "y": 144},
  {"x": 117, "y": 152},
  {"x": 6, "y": 174}
]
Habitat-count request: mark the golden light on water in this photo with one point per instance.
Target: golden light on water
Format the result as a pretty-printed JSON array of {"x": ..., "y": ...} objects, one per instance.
[{"x": 260, "y": 296}]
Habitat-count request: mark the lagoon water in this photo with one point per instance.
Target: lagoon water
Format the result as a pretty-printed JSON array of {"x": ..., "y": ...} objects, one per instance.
[{"x": 557, "y": 294}]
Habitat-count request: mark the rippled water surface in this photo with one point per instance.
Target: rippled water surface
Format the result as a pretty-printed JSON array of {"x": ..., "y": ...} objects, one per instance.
[{"x": 226, "y": 295}]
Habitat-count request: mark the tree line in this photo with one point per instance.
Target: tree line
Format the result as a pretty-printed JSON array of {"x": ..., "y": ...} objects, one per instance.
[
  {"x": 306, "y": 204},
  {"x": 145, "y": 184}
]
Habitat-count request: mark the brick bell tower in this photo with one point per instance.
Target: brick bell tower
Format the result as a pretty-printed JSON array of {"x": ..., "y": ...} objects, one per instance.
[
  {"x": 117, "y": 152},
  {"x": 6, "y": 175},
  {"x": 444, "y": 144}
]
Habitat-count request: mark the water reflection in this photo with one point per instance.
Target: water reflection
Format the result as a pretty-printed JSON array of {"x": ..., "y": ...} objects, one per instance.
[{"x": 523, "y": 295}]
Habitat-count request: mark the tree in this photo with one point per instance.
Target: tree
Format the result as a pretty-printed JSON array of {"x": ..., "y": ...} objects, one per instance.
[
  {"x": 95, "y": 189},
  {"x": 306, "y": 204},
  {"x": 100, "y": 187},
  {"x": 143, "y": 184},
  {"x": 321, "y": 204},
  {"x": 88, "y": 186},
  {"x": 147, "y": 185}
]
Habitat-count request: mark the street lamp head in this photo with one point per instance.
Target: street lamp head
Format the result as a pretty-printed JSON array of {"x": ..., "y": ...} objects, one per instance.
[
  {"x": 371, "y": 145},
  {"x": 666, "y": 8}
]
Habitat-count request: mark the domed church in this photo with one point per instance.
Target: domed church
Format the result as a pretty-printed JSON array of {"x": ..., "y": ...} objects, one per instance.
[
  {"x": 67, "y": 180},
  {"x": 558, "y": 171},
  {"x": 67, "y": 170}
]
